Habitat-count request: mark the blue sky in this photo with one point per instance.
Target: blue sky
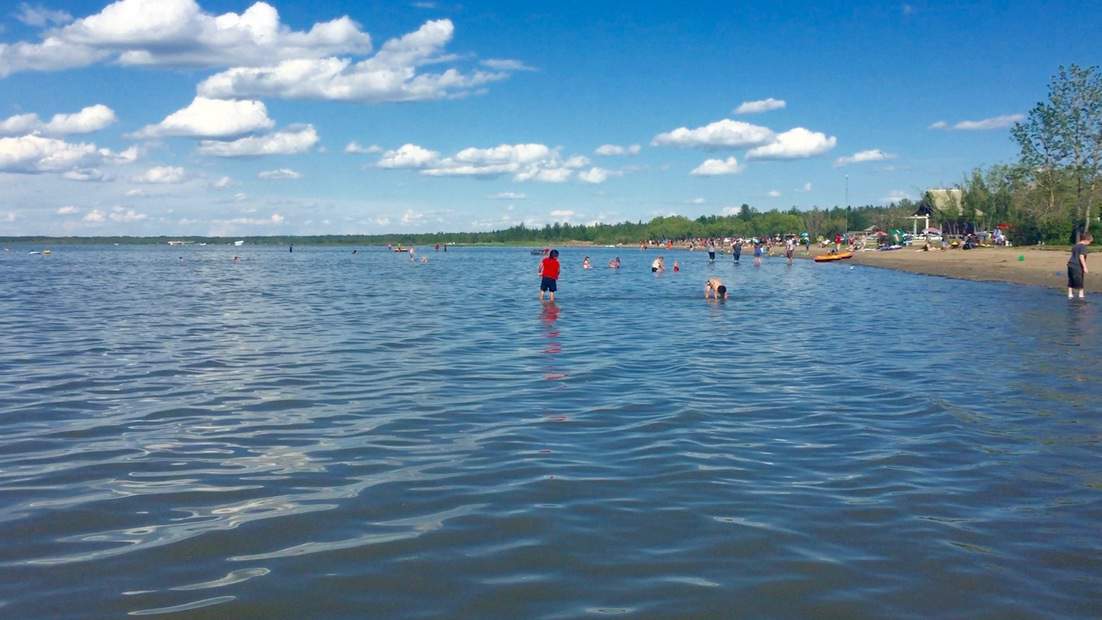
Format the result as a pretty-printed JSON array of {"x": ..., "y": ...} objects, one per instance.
[{"x": 218, "y": 117}]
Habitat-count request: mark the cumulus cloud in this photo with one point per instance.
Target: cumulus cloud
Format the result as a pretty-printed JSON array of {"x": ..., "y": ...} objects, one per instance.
[
  {"x": 68, "y": 210},
  {"x": 212, "y": 118},
  {"x": 125, "y": 216},
  {"x": 724, "y": 133},
  {"x": 760, "y": 105},
  {"x": 508, "y": 196},
  {"x": 288, "y": 142},
  {"x": 162, "y": 175},
  {"x": 390, "y": 75},
  {"x": 180, "y": 33},
  {"x": 87, "y": 120},
  {"x": 355, "y": 148},
  {"x": 38, "y": 16},
  {"x": 526, "y": 162},
  {"x": 773, "y": 193},
  {"x": 36, "y": 154},
  {"x": 562, "y": 214},
  {"x": 806, "y": 188},
  {"x": 597, "y": 175},
  {"x": 408, "y": 156},
  {"x": 717, "y": 167},
  {"x": 794, "y": 144},
  {"x": 609, "y": 150},
  {"x": 862, "y": 157},
  {"x": 222, "y": 183},
  {"x": 86, "y": 175},
  {"x": 281, "y": 173},
  {"x": 697, "y": 201},
  {"x": 95, "y": 216},
  {"x": 995, "y": 122}
]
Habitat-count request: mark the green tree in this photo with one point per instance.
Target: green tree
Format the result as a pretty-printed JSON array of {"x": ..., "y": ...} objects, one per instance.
[{"x": 1063, "y": 135}]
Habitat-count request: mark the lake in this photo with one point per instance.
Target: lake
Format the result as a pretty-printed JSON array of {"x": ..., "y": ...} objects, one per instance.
[{"x": 320, "y": 434}]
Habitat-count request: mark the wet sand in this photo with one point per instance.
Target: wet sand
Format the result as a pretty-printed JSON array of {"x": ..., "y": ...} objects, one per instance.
[{"x": 1046, "y": 268}]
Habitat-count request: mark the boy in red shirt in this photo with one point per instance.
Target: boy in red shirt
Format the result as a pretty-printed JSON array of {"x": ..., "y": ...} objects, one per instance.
[{"x": 549, "y": 269}]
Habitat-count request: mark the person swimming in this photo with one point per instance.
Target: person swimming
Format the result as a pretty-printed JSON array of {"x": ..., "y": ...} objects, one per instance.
[
  {"x": 586, "y": 264},
  {"x": 659, "y": 264},
  {"x": 614, "y": 263},
  {"x": 676, "y": 266},
  {"x": 714, "y": 287}
]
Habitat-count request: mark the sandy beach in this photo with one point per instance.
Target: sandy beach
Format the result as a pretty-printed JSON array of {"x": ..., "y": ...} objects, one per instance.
[{"x": 1031, "y": 266}]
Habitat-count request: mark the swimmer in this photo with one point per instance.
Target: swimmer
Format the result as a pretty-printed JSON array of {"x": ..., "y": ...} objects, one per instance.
[
  {"x": 711, "y": 250},
  {"x": 676, "y": 266},
  {"x": 658, "y": 265},
  {"x": 714, "y": 288},
  {"x": 424, "y": 260},
  {"x": 549, "y": 274},
  {"x": 614, "y": 263},
  {"x": 236, "y": 259},
  {"x": 586, "y": 264},
  {"x": 736, "y": 249},
  {"x": 789, "y": 249},
  {"x": 355, "y": 251}
]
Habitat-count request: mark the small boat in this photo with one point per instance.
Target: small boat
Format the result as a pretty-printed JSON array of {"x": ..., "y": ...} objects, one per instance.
[
  {"x": 46, "y": 252},
  {"x": 826, "y": 258},
  {"x": 239, "y": 243},
  {"x": 401, "y": 249}
]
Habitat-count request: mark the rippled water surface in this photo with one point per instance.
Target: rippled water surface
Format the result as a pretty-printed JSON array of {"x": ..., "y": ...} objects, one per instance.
[{"x": 322, "y": 434}]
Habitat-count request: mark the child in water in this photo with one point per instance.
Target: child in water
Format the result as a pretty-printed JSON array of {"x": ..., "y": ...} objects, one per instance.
[
  {"x": 586, "y": 264},
  {"x": 1077, "y": 265},
  {"x": 549, "y": 271},
  {"x": 614, "y": 263},
  {"x": 676, "y": 267},
  {"x": 714, "y": 288}
]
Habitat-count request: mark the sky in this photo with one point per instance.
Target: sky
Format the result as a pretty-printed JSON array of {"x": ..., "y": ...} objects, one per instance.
[{"x": 219, "y": 117}]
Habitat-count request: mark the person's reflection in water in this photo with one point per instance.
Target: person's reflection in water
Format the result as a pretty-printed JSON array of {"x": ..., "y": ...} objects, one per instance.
[{"x": 549, "y": 313}]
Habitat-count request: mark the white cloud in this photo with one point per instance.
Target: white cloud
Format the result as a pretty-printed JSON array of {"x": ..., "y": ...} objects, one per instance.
[
  {"x": 87, "y": 120},
  {"x": 390, "y": 75},
  {"x": 212, "y": 118},
  {"x": 282, "y": 173},
  {"x": 20, "y": 124},
  {"x": 562, "y": 214},
  {"x": 793, "y": 144},
  {"x": 526, "y": 162},
  {"x": 85, "y": 175},
  {"x": 597, "y": 175},
  {"x": 68, "y": 210},
  {"x": 125, "y": 216},
  {"x": 773, "y": 193},
  {"x": 355, "y": 148},
  {"x": 38, "y": 16},
  {"x": 35, "y": 154},
  {"x": 717, "y": 167},
  {"x": 162, "y": 175},
  {"x": 222, "y": 183},
  {"x": 505, "y": 64},
  {"x": 760, "y": 105},
  {"x": 609, "y": 150},
  {"x": 806, "y": 188},
  {"x": 408, "y": 156},
  {"x": 180, "y": 33},
  {"x": 9, "y": 217},
  {"x": 862, "y": 157},
  {"x": 995, "y": 122},
  {"x": 412, "y": 217},
  {"x": 697, "y": 201},
  {"x": 509, "y": 196},
  {"x": 724, "y": 133},
  {"x": 288, "y": 142},
  {"x": 95, "y": 216}
]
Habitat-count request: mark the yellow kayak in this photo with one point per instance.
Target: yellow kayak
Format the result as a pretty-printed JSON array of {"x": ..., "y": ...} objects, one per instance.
[{"x": 826, "y": 258}]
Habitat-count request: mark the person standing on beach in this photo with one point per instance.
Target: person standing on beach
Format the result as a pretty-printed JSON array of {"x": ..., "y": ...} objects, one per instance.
[
  {"x": 1077, "y": 265},
  {"x": 549, "y": 270}
]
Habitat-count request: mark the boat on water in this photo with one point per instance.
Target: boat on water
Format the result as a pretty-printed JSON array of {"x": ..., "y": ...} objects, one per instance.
[
  {"x": 239, "y": 243},
  {"x": 826, "y": 258}
]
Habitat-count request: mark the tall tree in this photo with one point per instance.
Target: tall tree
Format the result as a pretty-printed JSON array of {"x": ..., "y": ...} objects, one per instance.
[{"x": 1063, "y": 135}]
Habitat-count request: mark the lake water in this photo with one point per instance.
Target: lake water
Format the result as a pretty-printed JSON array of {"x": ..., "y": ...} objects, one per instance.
[{"x": 329, "y": 435}]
